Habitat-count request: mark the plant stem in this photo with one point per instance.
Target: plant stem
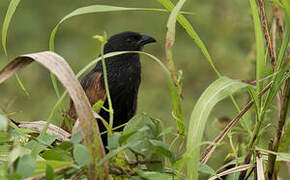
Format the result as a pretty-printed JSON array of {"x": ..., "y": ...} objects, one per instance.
[
  {"x": 282, "y": 119},
  {"x": 111, "y": 111}
]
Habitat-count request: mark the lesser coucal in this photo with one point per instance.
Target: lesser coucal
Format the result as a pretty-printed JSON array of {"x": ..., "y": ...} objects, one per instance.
[{"x": 124, "y": 77}]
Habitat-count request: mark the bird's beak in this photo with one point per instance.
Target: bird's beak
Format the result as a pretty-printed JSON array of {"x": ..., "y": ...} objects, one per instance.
[{"x": 146, "y": 39}]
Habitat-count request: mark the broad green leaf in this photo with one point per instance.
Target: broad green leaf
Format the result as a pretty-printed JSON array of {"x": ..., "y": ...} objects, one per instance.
[
  {"x": 260, "y": 47},
  {"x": 125, "y": 136},
  {"x": 26, "y": 166},
  {"x": 113, "y": 140},
  {"x": 217, "y": 91},
  {"x": 11, "y": 9},
  {"x": 76, "y": 138},
  {"x": 40, "y": 143},
  {"x": 81, "y": 154},
  {"x": 57, "y": 154},
  {"x": 66, "y": 145},
  {"x": 147, "y": 129}
]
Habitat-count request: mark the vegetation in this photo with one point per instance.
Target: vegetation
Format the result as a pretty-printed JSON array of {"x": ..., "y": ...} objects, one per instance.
[{"x": 173, "y": 146}]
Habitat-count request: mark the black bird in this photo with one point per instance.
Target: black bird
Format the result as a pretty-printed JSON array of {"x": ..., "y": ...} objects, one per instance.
[{"x": 124, "y": 77}]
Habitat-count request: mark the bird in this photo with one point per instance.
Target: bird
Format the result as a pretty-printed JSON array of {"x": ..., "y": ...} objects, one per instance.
[{"x": 124, "y": 78}]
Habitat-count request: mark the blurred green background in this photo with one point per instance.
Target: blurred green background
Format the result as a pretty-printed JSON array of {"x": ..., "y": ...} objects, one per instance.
[{"x": 224, "y": 26}]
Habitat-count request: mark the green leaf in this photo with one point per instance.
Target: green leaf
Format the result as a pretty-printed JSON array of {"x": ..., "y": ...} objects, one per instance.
[
  {"x": 16, "y": 152},
  {"x": 113, "y": 140},
  {"x": 278, "y": 3},
  {"x": 260, "y": 47},
  {"x": 204, "y": 168},
  {"x": 147, "y": 129},
  {"x": 280, "y": 156},
  {"x": 49, "y": 173},
  {"x": 217, "y": 91},
  {"x": 76, "y": 138},
  {"x": 3, "y": 123},
  {"x": 94, "y": 9},
  {"x": 285, "y": 140},
  {"x": 40, "y": 143},
  {"x": 177, "y": 89},
  {"x": 163, "y": 149},
  {"x": 41, "y": 165},
  {"x": 151, "y": 175},
  {"x": 25, "y": 166},
  {"x": 81, "y": 154},
  {"x": 191, "y": 32},
  {"x": 66, "y": 145},
  {"x": 11, "y": 9},
  {"x": 56, "y": 154},
  {"x": 125, "y": 136},
  {"x": 113, "y": 153},
  {"x": 166, "y": 131}
]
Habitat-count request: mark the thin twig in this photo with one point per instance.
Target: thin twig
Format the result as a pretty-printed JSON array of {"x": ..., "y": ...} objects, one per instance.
[
  {"x": 266, "y": 32},
  {"x": 209, "y": 150}
]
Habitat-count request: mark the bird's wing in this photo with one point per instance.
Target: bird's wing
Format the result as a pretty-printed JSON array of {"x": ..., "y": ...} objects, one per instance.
[{"x": 92, "y": 86}]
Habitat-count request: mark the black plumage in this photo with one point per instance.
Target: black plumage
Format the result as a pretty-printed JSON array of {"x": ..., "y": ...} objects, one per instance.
[{"x": 124, "y": 77}]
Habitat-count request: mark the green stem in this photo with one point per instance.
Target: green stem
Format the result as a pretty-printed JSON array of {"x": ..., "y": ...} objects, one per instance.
[{"x": 111, "y": 111}]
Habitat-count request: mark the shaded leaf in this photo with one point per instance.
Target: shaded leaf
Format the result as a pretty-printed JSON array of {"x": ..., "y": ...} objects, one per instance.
[
  {"x": 163, "y": 149},
  {"x": 151, "y": 175},
  {"x": 26, "y": 166},
  {"x": 113, "y": 140},
  {"x": 81, "y": 154}
]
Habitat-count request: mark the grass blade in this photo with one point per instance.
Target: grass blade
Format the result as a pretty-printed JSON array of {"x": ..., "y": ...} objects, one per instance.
[
  {"x": 191, "y": 32},
  {"x": 260, "y": 47},
  {"x": 11, "y": 10},
  {"x": 177, "y": 91},
  {"x": 217, "y": 91},
  {"x": 94, "y": 9}
]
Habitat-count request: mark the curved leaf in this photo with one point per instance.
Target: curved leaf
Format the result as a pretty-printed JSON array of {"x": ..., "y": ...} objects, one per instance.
[
  {"x": 11, "y": 9},
  {"x": 94, "y": 9},
  {"x": 217, "y": 91}
]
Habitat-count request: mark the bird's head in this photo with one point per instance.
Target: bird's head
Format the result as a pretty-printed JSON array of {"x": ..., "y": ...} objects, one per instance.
[{"x": 127, "y": 41}]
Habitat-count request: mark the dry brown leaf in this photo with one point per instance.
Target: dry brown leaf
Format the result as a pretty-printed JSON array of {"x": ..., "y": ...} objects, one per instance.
[
  {"x": 52, "y": 129},
  {"x": 260, "y": 171},
  {"x": 58, "y": 66},
  {"x": 232, "y": 170}
]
